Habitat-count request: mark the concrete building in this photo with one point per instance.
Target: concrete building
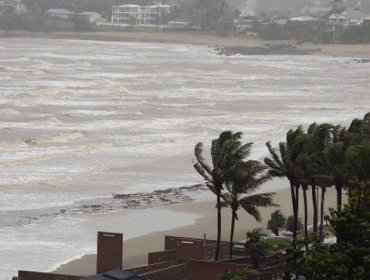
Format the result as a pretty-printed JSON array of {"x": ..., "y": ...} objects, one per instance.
[
  {"x": 60, "y": 14},
  {"x": 182, "y": 259},
  {"x": 140, "y": 15},
  {"x": 244, "y": 25},
  {"x": 12, "y": 7},
  {"x": 92, "y": 17},
  {"x": 344, "y": 20}
]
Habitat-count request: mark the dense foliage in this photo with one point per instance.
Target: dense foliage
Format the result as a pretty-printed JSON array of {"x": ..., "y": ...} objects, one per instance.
[
  {"x": 277, "y": 222},
  {"x": 348, "y": 259},
  {"x": 40, "y": 23},
  {"x": 316, "y": 32}
]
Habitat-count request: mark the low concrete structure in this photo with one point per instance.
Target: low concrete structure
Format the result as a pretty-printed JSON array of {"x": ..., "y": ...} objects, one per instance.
[{"x": 182, "y": 259}]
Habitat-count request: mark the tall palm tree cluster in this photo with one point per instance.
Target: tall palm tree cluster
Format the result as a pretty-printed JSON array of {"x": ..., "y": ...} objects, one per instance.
[
  {"x": 233, "y": 178},
  {"x": 324, "y": 155},
  {"x": 312, "y": 160}
]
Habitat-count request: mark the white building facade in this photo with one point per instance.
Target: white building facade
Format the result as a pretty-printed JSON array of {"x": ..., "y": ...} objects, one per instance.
[
  {"x": 92, "y": 17},
  {"x": 12, "y": 7},
  {"x": 140, "y": 15}
]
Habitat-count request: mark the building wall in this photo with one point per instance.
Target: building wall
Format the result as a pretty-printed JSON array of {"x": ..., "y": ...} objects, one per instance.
[
  {"x": 151, "y": 267},
  {"x": 30, "y": 275},
  {"x": 204, "y": 270},
  {"x": 170, "y": 242},
  {"x": 177, "y": 272},
  {"x": 110, "y": 251},
  {"x": 189, "y": 250},
  {"x": 162, "y": 256}
]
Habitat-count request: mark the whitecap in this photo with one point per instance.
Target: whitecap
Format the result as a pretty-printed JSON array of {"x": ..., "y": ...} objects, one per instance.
[
  {"x": 8, "y": 111},
  {"x": 48, "y": 122},
  {"x": 60, "y": 138},
  {"x": 13, "y": 145}
]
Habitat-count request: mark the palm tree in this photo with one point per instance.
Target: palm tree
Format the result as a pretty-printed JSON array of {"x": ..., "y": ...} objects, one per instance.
[
  {"x": 244, "y": 179},
  {"x": 255, "y": 245},
  {"x": 323, "y": 137},
  {"x": 226, "y": 152},
  {"x": 284, "y": 164}
]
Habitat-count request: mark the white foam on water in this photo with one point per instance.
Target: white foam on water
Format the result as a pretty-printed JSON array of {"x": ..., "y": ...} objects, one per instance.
[
  {"x": 111, "y": 114},
  {"x": 39, "y": 154},
  {"x": 60, "y": 138},
  {"x": 53, "y": 121},
  {"x": 9, "y": 111},
  {"x": 55, "y": 246}
]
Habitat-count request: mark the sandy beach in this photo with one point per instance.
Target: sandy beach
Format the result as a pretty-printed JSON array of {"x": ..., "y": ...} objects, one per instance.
[
  {"x": 348, "y": 50},
  {"x": 136, "y": 249}
]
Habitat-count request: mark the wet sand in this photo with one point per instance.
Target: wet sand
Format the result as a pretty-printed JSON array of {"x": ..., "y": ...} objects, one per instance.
[
  {"x": 136, "y": 249},
  {"x": 348, "y": 50}
]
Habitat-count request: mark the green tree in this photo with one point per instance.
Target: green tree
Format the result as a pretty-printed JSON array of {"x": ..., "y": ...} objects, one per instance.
[
  {"x": 81, "y": 25},
  {"x": 255, "y": 245},
  {"x": 289, "y": 226},
  {"x": 245, "y": 178},
  {"x": 349, "y": 259},
  {"x": 226, "y": 152},
  {"x": 276, "y": 222},
  {"x": 284, "y": 163}
]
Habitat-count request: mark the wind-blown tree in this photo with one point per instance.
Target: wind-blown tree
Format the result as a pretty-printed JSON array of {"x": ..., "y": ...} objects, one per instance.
[
  {"x": 349, "y": 259},
  {"x": 241, "y": 182},
  {"x": 322, "y": 137},
  {"x": 276, "y": 222},
  {"x": 283, "y": 163},
  {"x": 255, "y": 245},
  {"x": 290, "y": 224},
  {"x": 226, "y": 152}
]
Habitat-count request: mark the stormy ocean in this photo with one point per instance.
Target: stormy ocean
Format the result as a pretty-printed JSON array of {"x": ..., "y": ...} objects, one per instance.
[{"x": 84, "y": 120}]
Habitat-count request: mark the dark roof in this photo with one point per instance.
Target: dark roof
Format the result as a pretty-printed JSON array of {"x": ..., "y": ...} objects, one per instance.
[{"x": 117, "y": 274}]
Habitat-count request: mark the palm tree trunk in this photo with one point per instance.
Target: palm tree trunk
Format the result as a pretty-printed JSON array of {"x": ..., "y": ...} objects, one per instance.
[
  {"x": 323, "y": 189},
  {"x": 296, "y": 211},
  {"x": 218, "y": 224},
  {"x": 233, "y": 218},
  {"x": 294, "y": 242},
  {"x": 314, "y": 204},
  {"x": 292, "y": 193},
  {"x": 339, "y": 188},
  {"x": 305, "y": 211}
]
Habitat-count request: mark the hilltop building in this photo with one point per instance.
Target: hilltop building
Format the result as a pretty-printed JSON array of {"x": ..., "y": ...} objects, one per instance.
[
  {"x": 12, "y": 7},
  {"x": 345, "y": 19},
  {"x": 64, "y": 14},
  {"x": 92, "y": 17},
  {"x": 140, "y": 15}
]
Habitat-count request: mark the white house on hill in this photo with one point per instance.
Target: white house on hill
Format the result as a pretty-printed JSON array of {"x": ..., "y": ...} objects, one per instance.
[
  {"x": 92, "y": 17},
  {"x": 12, "y": 7},
  {"x": 345, "y": 19},
  {"x": 60, "y": 14},
  {"x": 139, "y": 15}
]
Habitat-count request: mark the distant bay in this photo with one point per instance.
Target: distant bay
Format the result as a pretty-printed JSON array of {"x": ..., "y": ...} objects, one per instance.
[{"x": 82, "y": 120}]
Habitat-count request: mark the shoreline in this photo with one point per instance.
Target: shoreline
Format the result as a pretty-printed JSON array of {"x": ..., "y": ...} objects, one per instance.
[
  {"x": 135, "y": 249},
  {"x": 344, "y": 50}
]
